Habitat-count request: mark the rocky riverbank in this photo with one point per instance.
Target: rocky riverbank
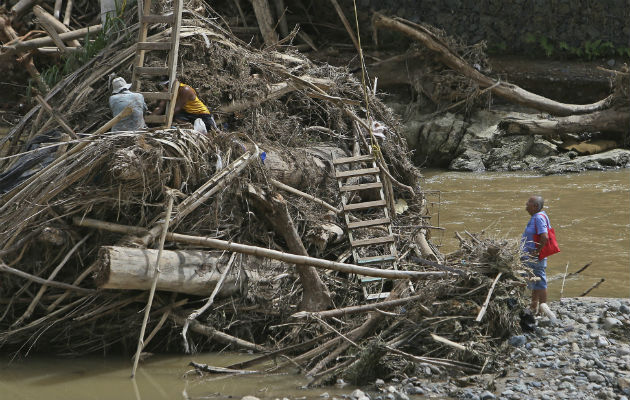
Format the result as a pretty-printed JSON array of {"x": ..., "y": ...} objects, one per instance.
[{"x": 585, "y": 354}]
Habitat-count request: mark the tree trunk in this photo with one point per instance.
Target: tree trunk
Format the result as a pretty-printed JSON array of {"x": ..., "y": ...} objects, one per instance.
[
  {"x": 315, "y": 296},
  {"x": 611, "y": 120},
  {"x": 508, "y": 91},
  {"x": 183, "y": 271},
  {"x": 265, "y": 21}
]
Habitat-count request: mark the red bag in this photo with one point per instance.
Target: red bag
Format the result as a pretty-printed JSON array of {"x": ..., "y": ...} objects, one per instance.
[{"x": 551, "y": 247}]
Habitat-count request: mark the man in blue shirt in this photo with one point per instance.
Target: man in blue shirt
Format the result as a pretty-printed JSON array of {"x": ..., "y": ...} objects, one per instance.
[{"x": 538, "y": 225}]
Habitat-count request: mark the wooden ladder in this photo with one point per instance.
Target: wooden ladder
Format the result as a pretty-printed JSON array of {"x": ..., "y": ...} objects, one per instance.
[
  {"x": 170, "y": 70},
  {"x": 366, "y": 250}
]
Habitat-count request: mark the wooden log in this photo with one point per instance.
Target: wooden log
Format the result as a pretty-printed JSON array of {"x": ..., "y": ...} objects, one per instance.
[
  {"x": 265, "y": 21},
  {"x": 48, "y": 41},
  {"x": 508, "y": 91},
  {"x": 340, "y": 312},
  {"x": 191, "y": 271},
  {"x": 21, "y": 7},
  {"x": 52, "y": 32},
  {"x": 611, "y": 120},
  {"x": 41, "y": 14}
]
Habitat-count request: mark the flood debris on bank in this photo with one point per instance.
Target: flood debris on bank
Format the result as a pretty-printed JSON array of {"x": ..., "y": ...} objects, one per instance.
[{"x": 256, "y": 253}]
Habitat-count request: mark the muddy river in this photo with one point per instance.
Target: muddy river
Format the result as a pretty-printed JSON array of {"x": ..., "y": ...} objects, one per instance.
[{"x": 591, "y": 215}]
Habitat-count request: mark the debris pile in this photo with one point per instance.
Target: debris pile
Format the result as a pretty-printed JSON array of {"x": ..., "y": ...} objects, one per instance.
[{"x": 237, "y": 219}]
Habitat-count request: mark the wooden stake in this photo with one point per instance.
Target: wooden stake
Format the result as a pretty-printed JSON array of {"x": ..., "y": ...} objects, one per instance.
[
  {"x": 147, "y": 309},
  {"x": 483, "y": 310}
]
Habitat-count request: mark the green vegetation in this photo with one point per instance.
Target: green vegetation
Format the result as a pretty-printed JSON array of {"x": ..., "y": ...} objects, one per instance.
[
  {"x": 73, "y": 60},
  {"x": 588, "y": 50}
]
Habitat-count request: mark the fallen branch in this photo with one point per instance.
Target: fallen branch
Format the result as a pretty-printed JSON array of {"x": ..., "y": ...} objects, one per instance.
[
  {"x": 212, "y": 333},
  {"x": 361, "y": 309},
  {"x": 505, "y": 90},
  {"x": 593, "y": 287},
  {"x": 48, "y": 41},
  {"x": 290, "y": 189},
  {"x": 60, "y": 285},
  {"x": 221, "y": 370}
]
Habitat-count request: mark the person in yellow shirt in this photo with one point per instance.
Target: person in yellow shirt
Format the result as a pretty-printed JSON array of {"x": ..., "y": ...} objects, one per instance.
[{"x": 188, "y": 107}]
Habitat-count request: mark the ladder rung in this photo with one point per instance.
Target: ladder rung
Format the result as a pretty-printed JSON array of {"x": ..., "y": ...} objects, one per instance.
[
  {"x": 366, "y": 242},
  {"x": 346, "y": 160},
  {"x": 152, "y": 70},
  {"x": 154, "y": 46},
  {"x": 367, "y": 204},
  {"x": 376, "y": 259},
  {"x": 155, "y": 119},
  {"x": 157, "y": 19},
  {"x": 371, "y": 222},
  {"x": 356, "y": 172},
  {"x": 362, "y": 186},
  {"x": 156, "y": 95}
]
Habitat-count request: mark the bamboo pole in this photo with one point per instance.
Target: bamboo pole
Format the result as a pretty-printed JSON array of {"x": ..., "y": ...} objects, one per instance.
[
  {"x": 273, "y": 254},
  {"x": 156, "y": 274},
  {"x": 48, "y": 41}
]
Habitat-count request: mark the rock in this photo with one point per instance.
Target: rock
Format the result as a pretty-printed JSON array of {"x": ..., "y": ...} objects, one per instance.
[
  {"x": 610, "y": 322},
  {"x": 595, "y": 377},
  {"x": 470, "y": 160},
  {"x": 614, "y": 305},
  {"x": 487, "y": 396},
  {"x": 324, "y": 395},
  {"x": 379, "y": 383},
  {"x": 415, "y": 390},
  {"x": 543, "y": 148},
  {"x": 518, "y": 341},
  {"x": 623, "y": 350},
  {"x": 575, "y": 347},
  {"x": 624, "y": 309},
  {"x": 602, "y": 341},
  {"x": 624, "y": 384},
  {"x": 250, "y": 398},
  {"x": 611, "y": 62}
]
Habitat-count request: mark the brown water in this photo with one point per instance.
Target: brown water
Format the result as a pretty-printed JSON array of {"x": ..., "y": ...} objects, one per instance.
[
  {"x": 590, "y": 213},
  {"x": 162, "y": 378}
]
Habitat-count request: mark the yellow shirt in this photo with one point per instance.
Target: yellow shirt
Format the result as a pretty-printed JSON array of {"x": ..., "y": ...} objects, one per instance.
[{"x": 195, "y": 106}]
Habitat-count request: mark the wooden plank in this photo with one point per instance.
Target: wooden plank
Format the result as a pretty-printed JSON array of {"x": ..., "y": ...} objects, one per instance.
[
  {"x": 156, "y": 95},
  {"x": 356, "y": 172},
  {"x": 367, "y": 242},
  {"x": 361, "y": 206},
  {"x": 155, "y": 119},
  {"x": 151, "y": 71},
  {"x": 157, "y": 19},
  {"x": 153, "y": 46},
  {"x": 346, "y": 160},
  {"x": 370, "y": 222},
  {"x": 375, "y": 259},
  {"x": 362, "y": 186}
]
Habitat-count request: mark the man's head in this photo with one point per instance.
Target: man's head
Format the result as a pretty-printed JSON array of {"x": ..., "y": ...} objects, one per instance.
[
  {"x": 119, "y": 84},
  {"x": 534, "y": 204}
]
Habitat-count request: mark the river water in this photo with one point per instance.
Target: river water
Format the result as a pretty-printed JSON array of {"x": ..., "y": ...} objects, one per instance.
[{"x": 591, "y": 215}]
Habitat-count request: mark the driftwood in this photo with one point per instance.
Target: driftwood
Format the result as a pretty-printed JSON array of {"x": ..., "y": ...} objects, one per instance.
[
  {"x": 290, "y": 189},
  {"x": 42, "y": 15},
  {"x": 183, "y": 271},
  {"x": 508, "y": 91},
  {"x": 214, "y": 334},
  {"x": 611, "y": 120},
  {"x": 595, "y": 286},
  {"x": 56, "y": 116},
  {"x": 315, "y": 294},
  {"x": 360, "y": 309},
  {"x": 484, "y": 308},
  {"x": 61, "y": 285}
]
